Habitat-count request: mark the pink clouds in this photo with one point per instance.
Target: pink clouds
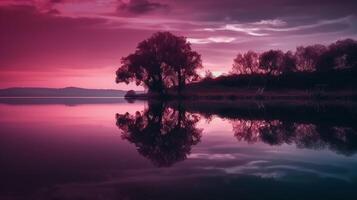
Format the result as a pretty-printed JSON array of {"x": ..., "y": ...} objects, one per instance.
[
  {"x": 211, "y": 40},
  {"x": 40, "y": 37}
]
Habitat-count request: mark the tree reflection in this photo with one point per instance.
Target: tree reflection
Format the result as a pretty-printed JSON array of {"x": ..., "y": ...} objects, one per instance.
[
  {"x": 164, "y": 135},
  {"x": 340, "y": 139}
]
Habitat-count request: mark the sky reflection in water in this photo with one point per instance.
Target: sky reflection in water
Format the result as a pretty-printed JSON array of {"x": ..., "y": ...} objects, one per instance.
[{"x": 54, "y": 151}]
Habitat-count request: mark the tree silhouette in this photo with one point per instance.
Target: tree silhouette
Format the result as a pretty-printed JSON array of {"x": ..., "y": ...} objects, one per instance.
[
  {"x": 308, "y": 57},
  {"x": 289, "y": 63},
  {"x": 342, "y": 54},
  {"x": 162, "y": 61},
  {"x": 163, "y": 135},
  {"x": 271, "y": 62},
  {"x": 346, "y": 51},
  {"x": 247, "y": 63}
]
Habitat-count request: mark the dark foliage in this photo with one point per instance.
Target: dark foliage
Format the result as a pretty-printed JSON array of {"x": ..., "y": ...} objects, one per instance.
[
  {"x": 163, "y": 135},
  {"x": 308, "y": 126},
  {"x": 247, "y": 63},
  {"x": 162, "y": 61},
  {"x": 339, "y": 55},
  {"x": 271, "y": 62},
  {"x": 332, "y": 79},
  {"x": 304, "y": 135}
]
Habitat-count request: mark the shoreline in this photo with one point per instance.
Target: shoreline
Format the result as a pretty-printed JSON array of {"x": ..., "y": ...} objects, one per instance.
[{"x": 243, "y": 95}]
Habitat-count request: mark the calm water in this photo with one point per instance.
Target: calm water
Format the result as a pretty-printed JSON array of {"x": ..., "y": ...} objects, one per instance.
[{"x": 117, "y": 150}]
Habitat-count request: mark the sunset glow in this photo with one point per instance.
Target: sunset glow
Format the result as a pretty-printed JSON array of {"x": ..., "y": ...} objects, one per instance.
[{"x": 80, "y": 43}]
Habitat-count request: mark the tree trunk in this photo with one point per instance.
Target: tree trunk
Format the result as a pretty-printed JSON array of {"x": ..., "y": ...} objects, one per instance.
[{"x": 179, "y": 78}]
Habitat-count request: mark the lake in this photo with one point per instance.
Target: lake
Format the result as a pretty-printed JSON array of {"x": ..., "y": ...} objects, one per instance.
[{"x": 111, "y": 149}]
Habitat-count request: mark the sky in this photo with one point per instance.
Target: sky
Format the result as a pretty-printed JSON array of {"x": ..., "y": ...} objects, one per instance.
[{"x": 61, "y": 43}]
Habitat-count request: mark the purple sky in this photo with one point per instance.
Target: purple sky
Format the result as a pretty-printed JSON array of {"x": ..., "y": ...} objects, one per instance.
[{"x": 59, "y": 43}]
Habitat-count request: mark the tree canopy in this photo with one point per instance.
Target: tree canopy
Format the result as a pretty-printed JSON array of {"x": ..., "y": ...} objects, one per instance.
[
  {"x": 317, "y": 57},
  {"x": 159, "y": 62},
  {"x": 247, "y": 63}
]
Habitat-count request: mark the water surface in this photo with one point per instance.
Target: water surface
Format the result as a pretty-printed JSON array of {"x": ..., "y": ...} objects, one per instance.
[{"x": 119, "y": 150}]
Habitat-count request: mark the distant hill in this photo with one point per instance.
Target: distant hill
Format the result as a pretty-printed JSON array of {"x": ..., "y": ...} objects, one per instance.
[{"x": 60, "y": 92}]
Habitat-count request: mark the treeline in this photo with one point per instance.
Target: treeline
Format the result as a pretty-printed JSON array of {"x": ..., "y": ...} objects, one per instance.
[
  {"x": 314, "y": 66},
  {"x": 321, "y": 80},
  {"x": 164, "y": 63},
  {"x": 313, "y": 58}
]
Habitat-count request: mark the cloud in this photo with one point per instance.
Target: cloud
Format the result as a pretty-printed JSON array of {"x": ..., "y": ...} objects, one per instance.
[
  {"x": 211, "y": 40},
  {"x": 140, "y": 6},
  {"x": 320, "y": 23},
  {"x": 273, "y": 22},
  {"x": 256, "y": 10},
  {"x": 252, "y": 31},
  {"x": 56, "y": 1},
  {"x": 46, "y": 6},
  {"x": 247, "y": 30},
  {"x": 272, "y": 27}
]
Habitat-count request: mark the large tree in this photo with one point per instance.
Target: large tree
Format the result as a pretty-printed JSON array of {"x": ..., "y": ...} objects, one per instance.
[{"x": 162, "y": 61}]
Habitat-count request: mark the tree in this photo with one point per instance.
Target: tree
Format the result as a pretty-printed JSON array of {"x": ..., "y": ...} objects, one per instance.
[
  {"x": 271, "y": 61},
  {"x": 327, "y": 61},
  {"x": 346, "y": 51},
  {"x": 247, "y": 63},
  {"x": 342, "y": 54},
  {"x": 307, "y": 57},
  {"x": 162, "y": 61},
  {"x": 289, "y": 63},
  {"x": 181, "y": 61}
]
